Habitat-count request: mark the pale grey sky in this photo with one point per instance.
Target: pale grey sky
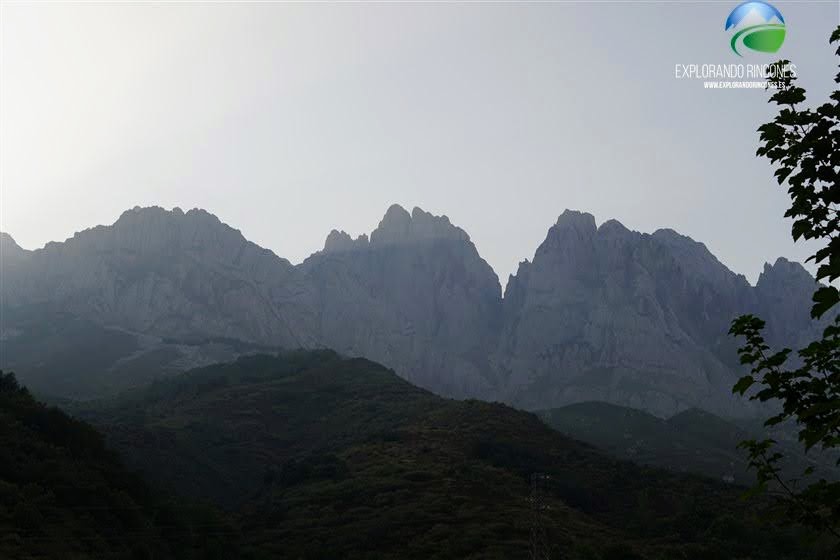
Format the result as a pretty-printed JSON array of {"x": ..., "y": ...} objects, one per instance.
[{"x": 288, "y": 120}]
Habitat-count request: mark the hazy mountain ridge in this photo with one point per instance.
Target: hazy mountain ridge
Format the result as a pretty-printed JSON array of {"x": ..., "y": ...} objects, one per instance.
[
  {"x": 692, "y": 441},
  {"x": 600, "y": 313}
]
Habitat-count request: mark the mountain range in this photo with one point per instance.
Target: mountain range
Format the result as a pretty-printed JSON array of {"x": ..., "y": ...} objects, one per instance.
[{"x": 599, "y": 313}]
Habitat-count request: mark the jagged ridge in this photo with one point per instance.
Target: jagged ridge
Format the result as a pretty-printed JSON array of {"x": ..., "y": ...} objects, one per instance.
[{"x": 599, "y": 313}]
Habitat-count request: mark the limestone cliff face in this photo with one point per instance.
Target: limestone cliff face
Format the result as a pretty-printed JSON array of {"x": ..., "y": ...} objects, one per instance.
[
  {"x": 782, "y": 294},
  {"x": 164, "y": 272},
  {"x": 417, "y": 297},
  {"x": 599, "y": 313},
  {"x": 613, "y": 315}
]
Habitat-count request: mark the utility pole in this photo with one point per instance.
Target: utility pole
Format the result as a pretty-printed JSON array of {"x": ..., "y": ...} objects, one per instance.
[{"x": 538, "y": 543}]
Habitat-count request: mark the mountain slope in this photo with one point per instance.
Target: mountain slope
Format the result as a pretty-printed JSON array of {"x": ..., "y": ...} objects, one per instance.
[
  {"x": 320, "y": 456},
  {"x": 69, "y": 356},
  {"x": 692, "y": 441}
]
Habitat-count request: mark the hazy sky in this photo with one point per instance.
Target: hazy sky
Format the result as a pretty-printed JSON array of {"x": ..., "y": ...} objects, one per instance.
[{"x": 288, "y": 120}]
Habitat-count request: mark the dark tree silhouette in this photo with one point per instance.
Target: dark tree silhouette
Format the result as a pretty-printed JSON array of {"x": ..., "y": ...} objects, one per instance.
[{"x": 803, "y": 145}]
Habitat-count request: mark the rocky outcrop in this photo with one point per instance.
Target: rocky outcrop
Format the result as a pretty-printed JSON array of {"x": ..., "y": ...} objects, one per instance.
[
  {"x": 338, "y": 241},
  {"x": 629, "y": 318},
  {"x": 10, "y": 251},
  {"x": 417, "y": 297},
  {"x": 12, "y": 257},
  {"x": 783, "y": 295},
  {"x": 170, "y": 273},
  {"x": 599, "y": 313}
]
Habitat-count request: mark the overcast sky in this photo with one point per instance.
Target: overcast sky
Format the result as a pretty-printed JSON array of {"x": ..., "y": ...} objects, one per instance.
[{"x": 288, "y": 120}]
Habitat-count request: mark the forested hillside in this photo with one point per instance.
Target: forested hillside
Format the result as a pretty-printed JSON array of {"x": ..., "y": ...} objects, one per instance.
[
  {"x": 64, "y": 494},
  {"x": 319, "y": 456}
]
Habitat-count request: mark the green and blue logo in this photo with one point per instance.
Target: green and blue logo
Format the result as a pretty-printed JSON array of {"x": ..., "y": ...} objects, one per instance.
[{"x": 757, "y": 26}]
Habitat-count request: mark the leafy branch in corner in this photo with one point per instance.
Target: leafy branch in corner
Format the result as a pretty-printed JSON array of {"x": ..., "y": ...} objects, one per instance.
[{"x": 803, "y": 145}]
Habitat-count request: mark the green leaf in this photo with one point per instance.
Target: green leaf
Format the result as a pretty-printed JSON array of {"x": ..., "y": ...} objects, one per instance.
[
  {"x": 824, "y": 299},
  {"x": 743, "y": 384}
]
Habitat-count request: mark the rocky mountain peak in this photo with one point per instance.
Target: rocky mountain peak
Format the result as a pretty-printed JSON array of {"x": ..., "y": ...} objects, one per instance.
[
  {"x": 398, "y": 226},
  {"x": 8, "y": 244},
  {"x": 339, "y": 241},
  {"x": 572, "y": 234},
  {"x": 10, "y": 251},
  {"x": 157, "y": 231},
  {"x": 394, "y": 227},
  {"x": 613, "y": 227},
  {"x": 613, "y": 232},
  {"x": 582, "y": 222},
  {"x": 156, "y": 216},
  {"x": 785, "y": 273},
  {"x": 784, "y": 290}
]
